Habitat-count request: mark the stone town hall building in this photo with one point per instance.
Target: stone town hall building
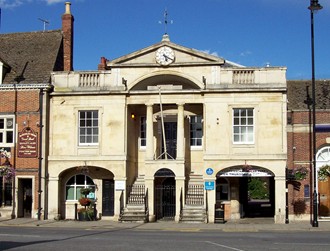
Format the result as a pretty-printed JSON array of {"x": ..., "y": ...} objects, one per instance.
[{"x": 166, "y": 132}]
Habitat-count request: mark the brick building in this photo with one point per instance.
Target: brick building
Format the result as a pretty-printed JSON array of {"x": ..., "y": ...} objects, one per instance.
[
  {"x": 26, "y": 61},
  {"x": 300, "y": 197}
]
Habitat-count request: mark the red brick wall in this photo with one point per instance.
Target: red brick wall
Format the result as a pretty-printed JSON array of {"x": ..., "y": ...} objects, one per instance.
[
  {"x": 299, "y": 148},
  {"x": 27, "y": 106}
]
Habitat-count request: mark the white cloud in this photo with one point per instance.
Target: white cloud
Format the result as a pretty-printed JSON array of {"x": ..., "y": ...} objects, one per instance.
[
  {"x": 53, "y": 1},
  {"x": 245, "y": 53},
  {"x": 210, "y": 53},
  {"x": 9, "y": 4}
]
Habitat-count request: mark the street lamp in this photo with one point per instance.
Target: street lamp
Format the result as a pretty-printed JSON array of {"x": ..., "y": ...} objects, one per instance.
[{"x": 314, "y": 7}]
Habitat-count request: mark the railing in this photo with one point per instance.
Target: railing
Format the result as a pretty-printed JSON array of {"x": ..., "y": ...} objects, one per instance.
[
  {"x": 195, "y": 195},
  {"x": 89, "y": 80},
  {"x": 243, "y": 76},
  {"x": 136, "y": 194}
]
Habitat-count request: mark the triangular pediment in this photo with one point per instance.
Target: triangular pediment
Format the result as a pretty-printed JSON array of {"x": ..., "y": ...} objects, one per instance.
[{"x": 183, "y": 56}]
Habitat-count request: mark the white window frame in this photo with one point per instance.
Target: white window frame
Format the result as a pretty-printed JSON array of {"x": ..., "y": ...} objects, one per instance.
[
  {"x": 193, "y": 120},
  {"x": 91, "y": 128},
  {"x": 243, "y": 127},
  {"x": 7, "y": 128},
  {"x": 76, "y": 186}
]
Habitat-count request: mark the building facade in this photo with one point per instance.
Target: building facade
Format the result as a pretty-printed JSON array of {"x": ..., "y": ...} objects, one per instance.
[
  {"x": 26, "y": 61},
  {"x": 300, "y": 157},
  {"x": 168, "y": 132}
]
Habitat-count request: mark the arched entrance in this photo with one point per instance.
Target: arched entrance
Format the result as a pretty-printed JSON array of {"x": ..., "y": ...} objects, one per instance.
[
  {"x": 247, "y": 191},
  {"x": 164, "y": 194},
  {"x": 322, "y": 160},
  {"x": 99, "y": 180}
]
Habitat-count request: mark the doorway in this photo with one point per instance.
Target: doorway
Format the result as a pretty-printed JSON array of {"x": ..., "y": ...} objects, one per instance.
[
  {"x": 171, "y": 135},
  {"x": 324, "y": 197},
  {"x": 257, "y": 197},
  {"x": 165, "y": 198},
  {"x": 25, "y": 198},
  {"x": 108, "y": 196}
]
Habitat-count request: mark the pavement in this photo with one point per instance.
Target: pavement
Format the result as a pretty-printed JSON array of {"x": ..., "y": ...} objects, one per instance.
[{"x": 243, "y": 225}]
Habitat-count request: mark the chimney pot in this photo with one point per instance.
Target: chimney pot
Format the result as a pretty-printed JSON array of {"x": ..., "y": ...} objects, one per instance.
[{"x": 67, "y": 8}]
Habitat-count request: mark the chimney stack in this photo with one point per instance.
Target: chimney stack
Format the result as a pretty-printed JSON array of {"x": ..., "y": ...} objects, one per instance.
[
  {"x": 67, "y": 29},
  {"x": 103, "y": 65}
]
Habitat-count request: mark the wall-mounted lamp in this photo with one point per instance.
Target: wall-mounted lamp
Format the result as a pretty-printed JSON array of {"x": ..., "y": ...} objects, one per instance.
[{"x": 132, "y": 115}]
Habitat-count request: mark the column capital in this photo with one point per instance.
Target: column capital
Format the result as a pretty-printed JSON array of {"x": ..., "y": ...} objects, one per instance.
[{"x": 180, "y": 104}]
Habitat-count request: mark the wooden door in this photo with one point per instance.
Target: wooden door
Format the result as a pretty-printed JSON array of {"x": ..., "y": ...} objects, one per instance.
[{"x": 324, "y": 197}]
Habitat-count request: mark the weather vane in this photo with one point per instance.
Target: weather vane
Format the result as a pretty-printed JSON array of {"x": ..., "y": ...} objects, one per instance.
[{"x": 166, "y": 21}]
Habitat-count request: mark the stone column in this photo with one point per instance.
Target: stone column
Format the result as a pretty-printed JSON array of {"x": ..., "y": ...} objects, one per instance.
[
  {"x": 279, "y": 199},
  {"x": 120, "y": 197},
  {"x": 149, "y": 185},
  {"x": 53, "y": 202},
  {"x": 150, "y": 133},
  {"x": 179, "y": 187},
  {"x": 180, "y": 133}
]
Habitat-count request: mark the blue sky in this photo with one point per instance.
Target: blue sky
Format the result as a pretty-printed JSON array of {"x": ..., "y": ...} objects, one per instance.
[{"x": 248, "y": 32}]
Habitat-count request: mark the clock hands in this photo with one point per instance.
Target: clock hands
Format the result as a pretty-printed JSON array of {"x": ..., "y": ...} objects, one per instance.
[{"x": 167, "y": 57}]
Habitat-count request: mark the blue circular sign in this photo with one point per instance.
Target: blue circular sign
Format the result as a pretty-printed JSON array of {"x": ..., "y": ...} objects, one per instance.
[{"x": 209, "y": 171}]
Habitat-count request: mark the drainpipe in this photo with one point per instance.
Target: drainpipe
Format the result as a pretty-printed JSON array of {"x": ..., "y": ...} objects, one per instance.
[{"x": 41, "y": 94}]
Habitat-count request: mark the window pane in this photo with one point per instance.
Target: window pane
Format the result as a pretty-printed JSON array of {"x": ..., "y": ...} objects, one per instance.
[
  {"x": 10, "y": 138},
  {"x": 89, "y": 181},
  {"x": 1, "y": 137},
  {"x": 82, "y": 139},
  {"x": 78, "y": 194},
  {"x": 70, "y": 193},
  {"x": 2, "y": 123},
  {"x": 70, "y": 181},
  {"x": 80, "y": 179}
]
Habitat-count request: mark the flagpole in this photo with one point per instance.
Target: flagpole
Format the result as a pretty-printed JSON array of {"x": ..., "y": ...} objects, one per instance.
[{"x": 162, "y": 121}]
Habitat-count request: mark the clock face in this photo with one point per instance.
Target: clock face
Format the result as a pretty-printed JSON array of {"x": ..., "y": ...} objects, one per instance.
[{"x": 165, "y": 55}]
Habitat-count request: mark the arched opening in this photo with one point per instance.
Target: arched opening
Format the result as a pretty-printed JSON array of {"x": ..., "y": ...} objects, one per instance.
[
  {"x": 164, "y": 186},
  {"x": 100, "y": 182},
  {"x": 245, "y": 192}
]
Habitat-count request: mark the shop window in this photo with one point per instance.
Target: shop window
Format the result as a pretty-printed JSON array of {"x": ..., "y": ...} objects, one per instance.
[
  {"x": 222, "y": 189},
  {"x": 196, "y": 130},
  {"x": 75, "y": 184},
  {"x": 243, "y": 126},
  {"x": 88, "y": 127},
  {"x": 6, "y": 197}
]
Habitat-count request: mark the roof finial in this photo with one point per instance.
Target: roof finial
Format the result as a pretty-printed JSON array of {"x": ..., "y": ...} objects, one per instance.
[{"x": 166, "y": 21}]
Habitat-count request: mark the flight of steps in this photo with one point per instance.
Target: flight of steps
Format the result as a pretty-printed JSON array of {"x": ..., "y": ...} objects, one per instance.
[
  {"x": 194, "y": 209},
  {"x": 135, "y": 210}
]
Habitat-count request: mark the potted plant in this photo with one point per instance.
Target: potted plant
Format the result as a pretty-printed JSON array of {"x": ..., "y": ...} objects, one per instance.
[
  {"x": 324, "y": 173},
  {"x": 300, "y": 173},
  {"x": 86, "y": 213},
  {"x": 6, "y": 169}
]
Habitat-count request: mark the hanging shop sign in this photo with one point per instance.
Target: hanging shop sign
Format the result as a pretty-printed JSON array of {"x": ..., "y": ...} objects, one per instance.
[
  {"x": 245, "y": 172},
  {"x": 27, "y": 143}
]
